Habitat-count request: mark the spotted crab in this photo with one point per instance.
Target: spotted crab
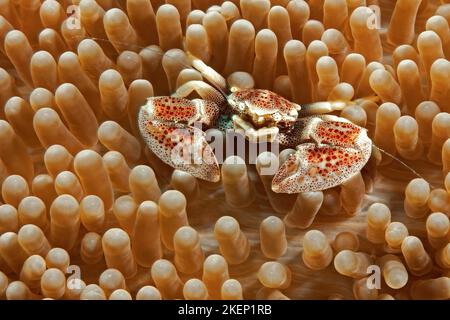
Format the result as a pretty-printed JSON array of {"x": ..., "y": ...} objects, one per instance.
[{"x": 329, "y": 149}]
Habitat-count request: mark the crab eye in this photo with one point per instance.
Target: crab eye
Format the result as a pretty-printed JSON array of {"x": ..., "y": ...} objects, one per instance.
[{"x": 261, "y": 120}]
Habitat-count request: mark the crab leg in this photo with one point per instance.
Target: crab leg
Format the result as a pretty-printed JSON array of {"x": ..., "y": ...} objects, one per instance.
[
  {"x": 204, "y": 90},
  {"x": 169, "y": 128},
  {"x": 323, "y": 107},
  {"x": 339, "y": 150}
]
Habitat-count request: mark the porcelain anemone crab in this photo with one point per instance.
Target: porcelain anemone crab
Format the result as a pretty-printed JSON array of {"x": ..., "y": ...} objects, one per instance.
[{"x": 329, "y": 149}]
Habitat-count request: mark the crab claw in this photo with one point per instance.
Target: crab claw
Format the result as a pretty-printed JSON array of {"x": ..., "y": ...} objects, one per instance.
[
  {"x": 317, "y": 167},
  {"x": 181, "y": 146}
]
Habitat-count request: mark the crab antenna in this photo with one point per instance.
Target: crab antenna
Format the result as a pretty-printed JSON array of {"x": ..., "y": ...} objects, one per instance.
[
  {"x": 402, "y": 163},
  {"x": 163, "y": 54},
  {"x": 216, "y": 79}
]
